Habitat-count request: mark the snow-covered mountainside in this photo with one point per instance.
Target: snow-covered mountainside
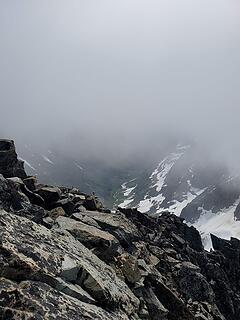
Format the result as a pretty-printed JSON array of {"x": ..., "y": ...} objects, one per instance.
[{"x": 205, "y": 195}]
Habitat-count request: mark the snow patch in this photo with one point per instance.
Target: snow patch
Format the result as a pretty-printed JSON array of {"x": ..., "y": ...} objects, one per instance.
[
  {"x": 27, "y": 163},
  {"x": 78, "y": 166},
  {"x": 127, "y": 193},
  {"x": 158, "y": 181},
  {"x": 222, "y": 225},
  {"x": 178, "y": 206},
  {"x": 47, "y": 159},
  {"x": 125, "y": 203}
]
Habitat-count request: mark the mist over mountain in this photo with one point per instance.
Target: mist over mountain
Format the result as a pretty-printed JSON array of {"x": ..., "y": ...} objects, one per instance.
[
  {"x": 117, "y": 81},
  {"x": 120, "y": 159}
]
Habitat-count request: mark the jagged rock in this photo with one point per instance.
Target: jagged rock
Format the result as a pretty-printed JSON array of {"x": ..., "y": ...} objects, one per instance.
[
  {"x": 48, "y": 222},
  {"x": 78, "y": 192},
  {"x": 56, "y": 212},
  {"x": 92, "y": 203},
  {"x": 37, "y": 300},
  {"x": 18, "y": 184},
  {"x": 38, "y": 254},
  {"x": 32, "y": 212},
  {"x": 11, "y": 196},
  {"x": 103, "y": 265},
  {"x": 31, "y": 183},
  {"x": 73, "y": 290},
  {"x": 67, "y": 204},
  {"x": 49, "y": 194},
  {"x": 10, "y": 166},
  {"x": 130, "y": 269},
  {"x": 117, "y": 224},
  {"x": 155, "y": 309},
  {"x": 175, "y": 305},
  {"x": 192, "y": 283},
  {"x": 82, "y": 209},
  {"x": 85, "y": 219},
  {"x": 103, "y": 243}
]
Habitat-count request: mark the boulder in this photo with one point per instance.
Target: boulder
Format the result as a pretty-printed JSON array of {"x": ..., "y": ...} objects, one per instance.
[
  {"x": 10, "y": 166},
  {"x": 104, "y": 244},
  {"x": 85, "y": 219},
  {"x": 32, "y": 212},
  {"x": 192, "y": 283},
  {"x": 67, "y": 204},
  {"x": 31, "y": 183},
  {"x": 56, "y": 212},
  {"x": 49, "y": 194},
  {"x": 18, "y": 184},
  {"x": 11, "y": 195},
  {"x": 117, "y": 224},
  {"x": 92, "y": 203},
  {"x": 155, "y": 309},
  {"x": 130, "y": 269}
]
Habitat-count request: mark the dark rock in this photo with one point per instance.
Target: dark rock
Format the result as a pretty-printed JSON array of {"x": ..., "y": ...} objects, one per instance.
[
  {"x": 92, "y": 203},
  {"x": 11, "y": 196},
  {"x": 60, "y": 260},
  {"x": 32, "y": 212},
  {"x": 237, "y": 212},
  {"x": 49, "y": 194},
  {"x": 36, "y": 300},
  {"x": 156, "y": 310},
  {"x": 10, "y": 166},
  {"x": 31, "y": 183},
  {"x": 67, "y": 204},
  {"x": 192, "y": 283}
]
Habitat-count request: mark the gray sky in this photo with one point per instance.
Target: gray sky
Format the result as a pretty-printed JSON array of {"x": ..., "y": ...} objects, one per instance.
[{"x": 117, "y": 74}]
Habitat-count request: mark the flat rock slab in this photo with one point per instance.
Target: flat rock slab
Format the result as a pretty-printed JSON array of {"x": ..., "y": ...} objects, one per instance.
[
  {"x": 84, "y": 232},
  {"x": 112, "y": 221}
]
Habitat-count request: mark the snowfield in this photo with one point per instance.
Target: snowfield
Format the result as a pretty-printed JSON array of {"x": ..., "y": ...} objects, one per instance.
[{"x": 222, "y": 225}]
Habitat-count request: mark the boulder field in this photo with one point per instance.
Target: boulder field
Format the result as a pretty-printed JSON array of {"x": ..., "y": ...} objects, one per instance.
[{"x": 64, "y": 256}]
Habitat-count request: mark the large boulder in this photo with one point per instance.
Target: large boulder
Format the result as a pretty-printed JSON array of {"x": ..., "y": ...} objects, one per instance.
[
  {"x": 10, "y": 166},
  {"x": 11, "y": 196},
  {"x": 115, "y": 223},
  {"x": 104, "y": 244},
  {"x": 49, "y": 194}
]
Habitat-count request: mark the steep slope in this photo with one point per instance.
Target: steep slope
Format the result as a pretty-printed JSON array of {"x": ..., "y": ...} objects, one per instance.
[
  {"x": 69, "y": 258},
  {"x": 176, "y": 179},
  {"x": 180, "y": 184}
]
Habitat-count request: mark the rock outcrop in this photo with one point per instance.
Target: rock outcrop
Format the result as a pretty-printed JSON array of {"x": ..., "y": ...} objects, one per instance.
[
  {"x": 64, "y": 256},
  {"x": 10, "y": 166}
]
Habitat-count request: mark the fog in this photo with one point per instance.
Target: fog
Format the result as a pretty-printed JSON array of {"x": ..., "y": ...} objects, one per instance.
[{"x": 111, "y": 78}]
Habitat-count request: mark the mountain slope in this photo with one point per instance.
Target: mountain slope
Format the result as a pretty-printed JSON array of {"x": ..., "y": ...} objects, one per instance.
[
  {"x": 175, "y": 180},
  {"x": 62, "y": 255},
  {"x": 180, "y": 184}
]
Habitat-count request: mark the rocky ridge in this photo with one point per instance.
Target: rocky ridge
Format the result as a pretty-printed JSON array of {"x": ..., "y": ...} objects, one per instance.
[{"x": 64, "y": 256}]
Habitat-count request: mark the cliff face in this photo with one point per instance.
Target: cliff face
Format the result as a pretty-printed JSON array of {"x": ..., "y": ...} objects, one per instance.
[
  {"x": 64, "y": 256},
  {"x": 10, "y": 166}
]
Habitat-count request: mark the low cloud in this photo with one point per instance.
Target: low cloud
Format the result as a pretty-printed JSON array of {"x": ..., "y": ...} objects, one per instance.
[{"x": 111, "y": 79}]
